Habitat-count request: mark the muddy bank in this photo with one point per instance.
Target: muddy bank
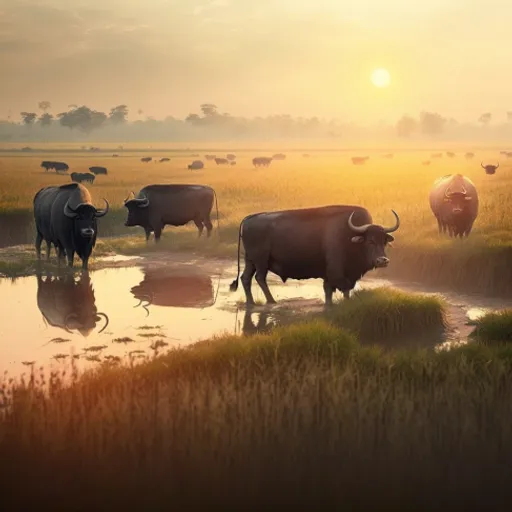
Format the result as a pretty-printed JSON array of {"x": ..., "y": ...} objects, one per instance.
[{"x": 135, "y": 307}]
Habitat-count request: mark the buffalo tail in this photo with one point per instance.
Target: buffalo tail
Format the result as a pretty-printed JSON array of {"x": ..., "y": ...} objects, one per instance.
[{"x": 233, "y": 287}]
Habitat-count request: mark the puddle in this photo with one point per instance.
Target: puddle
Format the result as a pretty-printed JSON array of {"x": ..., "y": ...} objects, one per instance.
[
  {"x": 115, "y": 258},
  {"x": 137, "y": 311}
]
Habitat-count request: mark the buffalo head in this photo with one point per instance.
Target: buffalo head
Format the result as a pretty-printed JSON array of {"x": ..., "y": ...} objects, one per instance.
[
  {"x": 489, "y": 169},
  {"x": 138, "y": 213},
  {"x": 457, "y": 200},
  {"x": 84, "y": 216},
  {"x": 375, "y": 238}
]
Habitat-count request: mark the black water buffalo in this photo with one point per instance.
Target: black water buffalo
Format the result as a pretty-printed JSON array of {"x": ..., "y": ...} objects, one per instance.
[
  {"x": 449, "y": 154},
  {"x": 210, "y": 157},
  {"x": 57, "y": 166},
  {"x": 426, "y": 162},
  {"x": 454, "y": 202},
  {"x": 115, "y": 155},
  {"x": 65, "y": 217},
  {"x": 79, "y": 177},
  {"x": 359, "y": 160},
  {"x": 196, "y": 165},
  {"x": 69, "y": 304},
  {"x": 168, "y": 288},
  {"x": 157, "y": 206},
  {"x": 469, "y": 156},
  {"x": 279, "y": 156},
  {"x": 338, "y": 244},
  {"x": 146, "y": 159},
  {"x": 490, "y": 169},
  {"x": 165, "y": 159},
  {"x": 95, "y": 169},
  {"x": 231, "y": 156},
  {"x": 261, "y": 161},
  {"x": 221, "y": 161}
]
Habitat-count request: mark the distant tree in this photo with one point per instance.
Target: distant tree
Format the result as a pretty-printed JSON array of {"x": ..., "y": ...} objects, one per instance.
[
  {"x": 432, "y": 123},
  {"x": 406, "y": 126},
  {"x": 209, "y": 110},
  {"x": 44, "y": 105},
  {"x": 118, "y": 114},
  {"x": 82, "y": 118},
  {"x": 46, "y": 119},
  {"x": 485, "y": 118},
  {"x": 193, "y": 119},
  {"x": 28, "y": 118}
]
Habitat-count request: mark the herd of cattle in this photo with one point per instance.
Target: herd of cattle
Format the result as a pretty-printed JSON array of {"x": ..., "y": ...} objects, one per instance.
[{"x": 338, "y": 244}]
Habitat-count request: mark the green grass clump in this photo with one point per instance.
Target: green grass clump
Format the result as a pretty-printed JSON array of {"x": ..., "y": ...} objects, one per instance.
[
  {"x": 385, "y": 313},
  {"x": 494, "y": 328}
]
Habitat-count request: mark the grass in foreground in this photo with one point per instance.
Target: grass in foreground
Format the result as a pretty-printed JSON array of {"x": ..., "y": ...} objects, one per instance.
[
  {"x": 303, "y": 415},
  {"x": 494, "y": 328}
]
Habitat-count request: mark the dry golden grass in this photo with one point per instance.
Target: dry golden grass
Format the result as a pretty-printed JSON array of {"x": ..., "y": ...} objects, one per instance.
[{"x": 481, "y": 262}]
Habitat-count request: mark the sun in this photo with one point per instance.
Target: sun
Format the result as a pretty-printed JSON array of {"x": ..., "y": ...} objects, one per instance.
[{"x": 380, "y": 77}]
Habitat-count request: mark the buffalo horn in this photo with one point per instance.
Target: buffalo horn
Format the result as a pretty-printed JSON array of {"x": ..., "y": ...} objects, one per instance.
[
  {"x": 482, "y": 165},
  {"x": 396, "y": 226},
  {"x": 357, "y": 229},
  {"x": 102, "y": 213},
  {"x": 66, "y": 321},
  {"x": 497, "y": 166},
  {"x": 68, "y": 212},
  {"x": 106, "y": 321}
]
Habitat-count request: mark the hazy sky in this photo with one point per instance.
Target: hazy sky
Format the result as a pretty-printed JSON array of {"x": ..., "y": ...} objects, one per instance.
[{"x": 258, "y": 57}]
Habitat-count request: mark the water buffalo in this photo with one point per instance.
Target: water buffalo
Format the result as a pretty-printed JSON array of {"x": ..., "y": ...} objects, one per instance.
[
  {"x": 469, "y": 156},
  {"x": 57, "y": 166},
  {"x": 231, "y": 156},
  {"x": 449, "y": 154},
  {"x": 157, "y": 206},
  {"x": 338, "y": 244},
  {"x": 490, "y": 169},
  {"x": 359, "y": 160},
  {"x": 196, "y": 165},
  {"x": 210, "y": 157},
  {"x": 232, "y": 163},
  {"x": 436, "y": 155},
  {"x": 98, "y": 170},
  {"x": 279, "y": 156},
  {"x": 146, "y": 159},
  {"x": 454, "y": 202},
  {"x": 261, "y": 161},
  {"x": 65, "y": 217},
  {"x": 115, "y": 155},
  {"x": 221, "y": 161},
  {"x": 169, "y": 289},
  {"x": 426, "y": 162},
  {"x": 69, "y": 304},
  {"x": 165, "y": 159},
  {"x": 79, "y": 177}
]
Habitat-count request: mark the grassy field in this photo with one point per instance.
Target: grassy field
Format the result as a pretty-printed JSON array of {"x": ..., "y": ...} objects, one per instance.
[
  {"x": 304, "y": 415},
  {"x": 480, "y": 263}
]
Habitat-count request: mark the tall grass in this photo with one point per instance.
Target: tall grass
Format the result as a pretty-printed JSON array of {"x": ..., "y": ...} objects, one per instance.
[
  {"x": 303, "y": 416},
  {"x": 479, "y": 263},
  {"x": 494, "y": 328}
]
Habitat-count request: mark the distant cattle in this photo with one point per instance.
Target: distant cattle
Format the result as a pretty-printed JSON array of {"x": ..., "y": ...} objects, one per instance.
[
  {"x": 221, "y": 161},
  {"x": 196, "y": 165},
  {"x": 454, "y": 203},
  {"x": 115, "y": 155},
  {"x": 210, "y": 157},
  {"x": 306, "y": 155},
  {"x": 94, "y": 149},
  {"x": 79, "y": 177},
  {"x": 26, "y": 149},
  {"x": 389, "y": 155},
  {"x": 509, "y": 154},
  {"x": 436, "y": 155},
  {"x": 165, "y": 159},
  {"x": 449, "y": 154},
  {"x": 98, "y": 170},
  {"x": 469, "y": 156},
  {"x": 232, "y": 163},
  {"x": 146, "y": 159},
  {"x": 426, "y": 162},
  {"x": 261, "y": 161},
  {"x": 359, "y": 160},
  {"x": 230, "y": 156},
  {"x": 504, "y": 153},
  {"x": 57, "y": 166},
  {"x": 490, "y": 169},
  {"x": 279, "y": 156}
]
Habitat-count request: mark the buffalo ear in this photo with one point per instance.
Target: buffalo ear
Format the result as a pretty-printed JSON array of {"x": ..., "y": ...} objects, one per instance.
[
  {"x": 357, "y": 239},
  {"x": 390, "y": 238}
]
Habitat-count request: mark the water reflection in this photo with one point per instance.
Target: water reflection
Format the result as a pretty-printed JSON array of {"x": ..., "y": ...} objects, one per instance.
[
  {"x": 265, "y": 322},
  {"x": 69, "y": 304},
  {"x": 170, "y": 289}
]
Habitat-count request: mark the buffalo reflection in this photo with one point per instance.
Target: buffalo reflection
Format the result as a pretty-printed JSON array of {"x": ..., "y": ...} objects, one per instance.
[
  {"x": 68, "y": 304},
  {"x": 264, "y": 324},
  {"x": 178, "y": 291}
]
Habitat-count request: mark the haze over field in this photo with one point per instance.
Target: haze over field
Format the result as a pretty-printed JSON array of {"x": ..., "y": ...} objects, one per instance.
[{"x": 308, "y": 58}]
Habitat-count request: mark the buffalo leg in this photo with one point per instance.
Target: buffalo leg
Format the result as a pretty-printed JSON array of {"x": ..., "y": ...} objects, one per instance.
[
  {"x": 85, "y": 263},
  {"x": 261, "y": 279},
  {"x": 440, "y": 226},
  {"x": 48, "y": 250},
  {"x": 148, "y": 234},
  {"x": 328, "y": 290},
  {"x": 246, "y": 279},
  {"x": 39, "y": 241},
  {"x": 158, "y": 234},
  {"x": 71, "y": 256},
  {"x": 209, "y": 226},
  {"x": 346, "y": 294},
  {"x": 200, "y": 227}
]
